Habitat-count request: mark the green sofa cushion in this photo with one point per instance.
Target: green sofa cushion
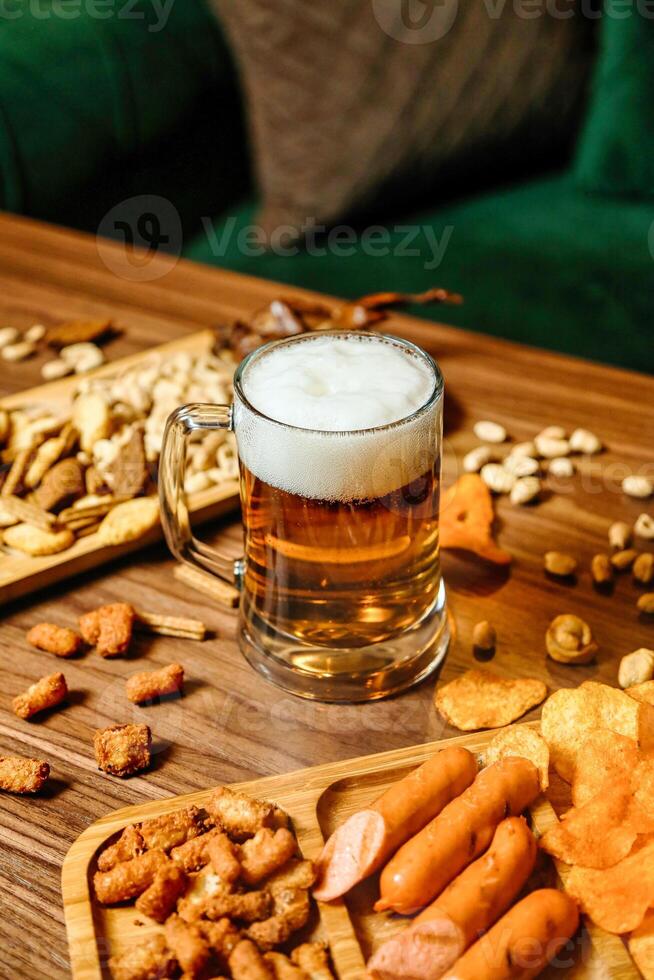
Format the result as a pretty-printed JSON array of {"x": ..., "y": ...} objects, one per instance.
[
  {"x": 616, "y": 150},
  {"x": 543, "y": 263},
  {"x": 84, "y": 88}
]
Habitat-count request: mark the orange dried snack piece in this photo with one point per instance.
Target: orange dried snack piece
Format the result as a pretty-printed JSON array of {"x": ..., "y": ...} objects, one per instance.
[
  {"x": 466, "y": 519},
  {"x": 265, "y": 853},
  {"x": 60, "y": 640},
  {"x": 45, "y": 693},
  {"x": 122, "y": 750},
  {"x": 109, "y": 628},
  {"x": 617, "y": 898}
]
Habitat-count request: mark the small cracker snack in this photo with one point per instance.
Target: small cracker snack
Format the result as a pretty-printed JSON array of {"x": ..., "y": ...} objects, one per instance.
[
  {"x": 60, "y": 640},
  {"x": 47, "y": 692},
  {"x": 122, "y": 750},
  {"x": 616, "y": 898},
  {"x": 571, "y": 714},
  {"x": 109, "y": 628},
  {"x": 520, "y": 741},
  {"x": 129, "y": 521},
  {"x": 36, "y": 541},
  {"x": 150, "y": 685},
  {"x": 61, "y": 485},
  {"x": 480, "y": 699},
  {"x": 22, "y": 776},
  {"x": 466, "y": 519}
]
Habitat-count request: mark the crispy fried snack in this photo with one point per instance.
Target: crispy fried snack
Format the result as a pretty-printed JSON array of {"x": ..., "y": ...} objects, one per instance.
[
  {"x": 151, "y": 684},
  {"x": 266, "y": 852},
  {"x": 123, "y": 749},
  {"x": 282, "y": 967},
  {"x": 129, "y": 878},
  {"x": 240, "y": 816},
  {"x": 22, "y": 775},
  {"x": 60, "y": 640},
  {"x": 109, "y": 628},
  {"x": 148, "y": 961},
  {"x": 159, "y": 900},
  {"x": 247, "y": 963},
  {"x": 313, "y": 958},
  {"x": 246, "y": 906},
  {"x": 46, "y": 693},
  {"x": 466, "y": 519},
  {"x": 194, "y": 854},
  {"x": 290, "y": 912},
  {"x": 173, "y": 829},
  {"x": 187, "y": 943},
  {"x": 224, "y": 858},
  {"x": 129, "y": 845},
  {"x": 222, "y": 936},
  {"x": 296, "y": 874}
]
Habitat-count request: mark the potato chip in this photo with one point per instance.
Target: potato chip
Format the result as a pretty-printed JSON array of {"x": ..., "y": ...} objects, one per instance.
[
  {"x": 522, "y": 741},
  {"x": 641, "y": 946},
  {"x": 480, "y": 699},
  {"x": 466, "y": 519},
  {"x": 604, "y": 757},
  {"x": 598, "y": 834},
  {"x": 642, "y": 692},
  {"x": 570, "y": 715},
  {"x": 617, "y": 898}
]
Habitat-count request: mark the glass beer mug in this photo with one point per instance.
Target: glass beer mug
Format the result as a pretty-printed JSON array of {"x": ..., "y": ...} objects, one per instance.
[{"x": 339, "y": 443}]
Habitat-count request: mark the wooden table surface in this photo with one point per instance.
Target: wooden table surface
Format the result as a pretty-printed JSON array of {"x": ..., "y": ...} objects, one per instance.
[{"x": 232, "y": 725}]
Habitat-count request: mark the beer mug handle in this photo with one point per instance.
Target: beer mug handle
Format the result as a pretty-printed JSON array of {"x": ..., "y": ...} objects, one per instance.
[{"x": 172, "y": 498}]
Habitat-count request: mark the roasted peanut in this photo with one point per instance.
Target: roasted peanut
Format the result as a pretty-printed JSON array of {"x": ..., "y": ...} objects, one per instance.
[
  {"x": 570, "y": 640},
  {"x": 558, "y": 563}
]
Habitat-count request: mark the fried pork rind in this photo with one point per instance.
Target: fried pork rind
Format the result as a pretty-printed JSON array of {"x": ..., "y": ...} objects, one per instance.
[
  {"x": 129, "y": 845},
  {"x": 19, "y": 775},
  {"x": 313, "y": 958},
  {"x": 569, "y": 716},
  {"x": 148, "y": 961},
  {"x": 240, "y": 816},
  {"x": 291, "y": 908},
  {"x": 297, "y": 873},
  {"x": 245, "y": 906},
  {"x": 60, "y": 640},
  {"x": 222, "y": 936},
  {"x": 45, "y": 693},
  {"x": 265, "y": 853},
  {"x": 617, "y": 898},
  {"x": 194, "y": 854},
  {"x": 187, "y": 943},
  {"x": 152, "y": 684},
  {"x": 173, "y": 829},
  {"x": 247, "y": 963},
  {"x": 522, "y": 741},
  {"x": 159, "y": 900},
  {"x": 202, "y": 887},
  {"x": 129, "y": 878},
  {"x": 109, "y": 628},
  {"x": 123, "y": 749},
  {"x": 283, "y": 968},
  {"x": 481, "y": 699},
  {"x": 224, "y": 858}
]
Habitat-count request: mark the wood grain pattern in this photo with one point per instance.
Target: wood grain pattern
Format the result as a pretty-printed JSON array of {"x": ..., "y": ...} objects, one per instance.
[
  {"x": 21, "y": 575},
  {"x": 232, "y": 725},
  {"x": 318, "y": 800}
]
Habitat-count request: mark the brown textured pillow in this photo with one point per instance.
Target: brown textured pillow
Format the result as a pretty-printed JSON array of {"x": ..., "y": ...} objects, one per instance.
[{"x": 343, "y": 95}]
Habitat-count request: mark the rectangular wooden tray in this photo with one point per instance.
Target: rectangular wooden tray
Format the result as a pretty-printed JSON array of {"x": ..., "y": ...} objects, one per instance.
[
  {"x": 317, "y": 799},
  {"x": 22, "y": 574}
]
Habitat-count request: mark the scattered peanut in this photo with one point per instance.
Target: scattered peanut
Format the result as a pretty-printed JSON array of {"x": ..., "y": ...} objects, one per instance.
[
  {"x": 476, "y": 458},
  {"x": 194, "y": 482},
  {"x": 82, "y": 357},
  {"x": 558, "y": 563},
  {"x": 35, "y": 333},
  {"x": 524, "y": 449},
  {"x": 601, "y": 569},
  {"x": 551, "y": 448},
  {"x": 570, "y": 640},
  {"x": 521, "y": 465},
  {"x": 484, "y": 636},
  {"x": 489, "y": 431},
  {"x": 636, "y": 668},
  {"x": 561, "y": 466},
  {"x": 55, "y": 369},
  {"x": 638, "y": 486},
  {"x": 553, "y": 432},
  {"x": 646, "y": 603},
  {"x": 8, "y": 335},
  {"x": 496, "y": 478},
  {"x": 643, "y": 568},
  {"x": 622, "y": 560},
  {"x": 525, "y": 490},
  {"x": 583, "y": 441},
  {"x": 19, "y": 351},
  {"x": 619, "y": 535},
  {"x": 644, "y": 527}
]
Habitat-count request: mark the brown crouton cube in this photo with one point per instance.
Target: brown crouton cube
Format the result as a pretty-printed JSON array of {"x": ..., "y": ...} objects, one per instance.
[
  {"x": 19, "y": 775},
  {"x": 123, "y": 749}
]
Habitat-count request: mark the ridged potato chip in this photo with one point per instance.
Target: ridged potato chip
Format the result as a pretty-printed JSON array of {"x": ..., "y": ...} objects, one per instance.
[
  {"x": 521, "y": 741},
  {"x": 480, "y": 699},
  {"x": 604, "y": 758},
  {"x": 617, "y": 898}
]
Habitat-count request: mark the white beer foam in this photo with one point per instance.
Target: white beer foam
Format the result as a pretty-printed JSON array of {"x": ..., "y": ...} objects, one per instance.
[{"x": 326, "y": 387}]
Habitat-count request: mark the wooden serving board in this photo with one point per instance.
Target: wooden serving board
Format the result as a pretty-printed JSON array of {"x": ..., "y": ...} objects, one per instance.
[
  {"x": 22, "y": 574},
  {"x": 318, "y": 800}
]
